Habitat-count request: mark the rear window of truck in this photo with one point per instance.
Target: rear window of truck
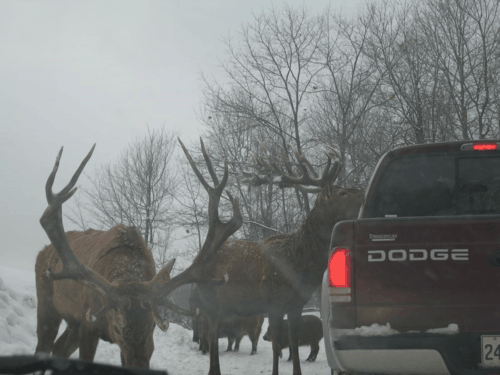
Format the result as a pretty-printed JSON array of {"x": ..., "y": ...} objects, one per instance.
[{"x": 438, "y": 185}]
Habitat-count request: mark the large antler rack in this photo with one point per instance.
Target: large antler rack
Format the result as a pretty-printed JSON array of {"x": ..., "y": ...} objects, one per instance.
[
  {"x": 267, "y": 171},
  {"x": 51, "y": 222},
  {"x": 218, "y": 231}
]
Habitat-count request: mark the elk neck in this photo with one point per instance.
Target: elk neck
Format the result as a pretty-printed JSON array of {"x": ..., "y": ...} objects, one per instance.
[{"x": 312, "y": 241}]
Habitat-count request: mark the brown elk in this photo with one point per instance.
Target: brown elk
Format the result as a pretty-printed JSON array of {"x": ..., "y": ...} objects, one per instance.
[
  {"x": 103, "y": 284},
  {"x": 279, "y": 274}
]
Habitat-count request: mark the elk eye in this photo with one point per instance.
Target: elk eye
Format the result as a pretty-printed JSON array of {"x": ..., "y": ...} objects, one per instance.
[{"x": 115, "y": 328}]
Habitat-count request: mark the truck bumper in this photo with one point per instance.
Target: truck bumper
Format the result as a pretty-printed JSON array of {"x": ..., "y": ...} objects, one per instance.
[
  {"x": 404, "y": 353},
  {"x": 410, "y": 353}
]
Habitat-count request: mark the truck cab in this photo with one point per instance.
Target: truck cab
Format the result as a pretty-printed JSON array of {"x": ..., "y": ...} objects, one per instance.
[{"x": 413, "y": 284}]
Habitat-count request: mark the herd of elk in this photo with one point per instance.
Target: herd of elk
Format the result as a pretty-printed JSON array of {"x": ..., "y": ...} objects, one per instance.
[
  {"x": 235, "y": 277},
  {"x": 112, "y": 289},
  {"x": 277, "y": 275}
]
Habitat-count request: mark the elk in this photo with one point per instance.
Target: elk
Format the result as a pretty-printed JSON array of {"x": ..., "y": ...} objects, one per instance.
[
  {"x": 310, "y": 333},
  {"x": 234, "y": 328},
  {"x": 103, "y": 284},
  {"x": 277, "y": 275}
]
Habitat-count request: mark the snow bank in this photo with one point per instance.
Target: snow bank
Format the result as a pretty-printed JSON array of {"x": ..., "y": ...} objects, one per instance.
[
  {"x": 17, "y": 311},
  {"x": 174, "y": 350}
]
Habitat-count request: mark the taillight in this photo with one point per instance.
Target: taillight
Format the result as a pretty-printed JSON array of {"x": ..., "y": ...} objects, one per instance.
[
  {"x": 339, "y": 275},
  {"x": 484, "y": 146},
  {"x": 480, "y": 146},
  {"x": 339, "y": 268}
]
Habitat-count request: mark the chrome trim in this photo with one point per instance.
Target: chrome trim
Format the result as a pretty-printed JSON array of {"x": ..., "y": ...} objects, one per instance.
[
  {"x": 337, "y": 291},
  {"x": 383, "y": 237},
  {"x": 341, "y": 299},
  {"x": 393, "y": 361},
  {"x": 325, "y": 319}
]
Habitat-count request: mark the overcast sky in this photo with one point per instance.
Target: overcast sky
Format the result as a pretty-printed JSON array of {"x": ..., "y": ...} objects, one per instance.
[{"x": 75, "y": 73}]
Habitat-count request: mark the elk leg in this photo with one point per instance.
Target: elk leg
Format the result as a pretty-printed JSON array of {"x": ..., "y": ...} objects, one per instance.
[
  {"x": 230, "y": 341},
  {"x": 237, "y": 345},
  {"x": 255, "y": 333},
  {"x": 196, "y": 336},
  {"x": 48, "y": 321},
  {"x": 204, "y": 345},
  {"x": 293, "y": 332},
  {"x": 275, "y": 320},
  {"x": 289, "y": 354},
  {"x": 68, "y": 342},
  {"x": 254, "y": 339},
  {"x": 88, "y": 341},
  {"x": 314, "y": 352},
  {"x": 213, "y": 341}
]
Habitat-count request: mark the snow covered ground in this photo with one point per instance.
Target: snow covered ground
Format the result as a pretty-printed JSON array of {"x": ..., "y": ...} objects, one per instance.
[{"x": 174, "y": 350}]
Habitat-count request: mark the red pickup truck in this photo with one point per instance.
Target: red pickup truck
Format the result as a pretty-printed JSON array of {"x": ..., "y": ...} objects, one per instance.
[{"x": 413, "y": 284}]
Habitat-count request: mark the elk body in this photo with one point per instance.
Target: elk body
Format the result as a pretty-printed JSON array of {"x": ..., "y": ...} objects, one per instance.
[
  {"x": 103, "y": 284},
  {"x": 277, "y": 275},
  {"x": 310, "y": 333}
]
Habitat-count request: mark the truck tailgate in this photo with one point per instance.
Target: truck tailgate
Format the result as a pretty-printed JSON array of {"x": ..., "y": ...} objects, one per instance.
[{"x": 426, "y": 272}]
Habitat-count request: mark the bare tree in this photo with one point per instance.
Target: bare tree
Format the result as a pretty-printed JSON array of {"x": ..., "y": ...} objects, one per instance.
[
  {"x": 347, "y": 93},
  {"x": 137, "y": 190},
  {"x": 271, "y": 72},
  {"x": 396, "y": 74},
  {"x": 463, "y": 40}
]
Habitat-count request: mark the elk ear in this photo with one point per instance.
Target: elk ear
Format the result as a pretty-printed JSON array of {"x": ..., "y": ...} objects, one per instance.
[{"x": 329, "y": 191}]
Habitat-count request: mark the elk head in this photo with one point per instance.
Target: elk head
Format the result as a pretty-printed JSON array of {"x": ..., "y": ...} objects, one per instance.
[
  {"x": 125, "y": 312},
  {"x": 333, "y": 203}
]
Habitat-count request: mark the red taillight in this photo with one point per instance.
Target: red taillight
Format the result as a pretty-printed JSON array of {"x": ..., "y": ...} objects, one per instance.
[
  {"x": 484, "y": 146},
  {"x": 339, "y": 268}
]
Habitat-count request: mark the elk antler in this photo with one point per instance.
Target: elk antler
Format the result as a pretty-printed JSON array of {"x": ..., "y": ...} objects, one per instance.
[
  {"x": 269, "y": 172},
  {"x": 51, "y": 222},
  {"x": 218, "y": 232}
]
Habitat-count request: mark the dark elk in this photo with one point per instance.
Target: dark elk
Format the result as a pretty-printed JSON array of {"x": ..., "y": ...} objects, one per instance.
[
  {"x": 103, "y": 284},
  {"x": 277, "y": 275},
  {"x": 310, "y": 333},
  {"x": 234, "y": 327}
]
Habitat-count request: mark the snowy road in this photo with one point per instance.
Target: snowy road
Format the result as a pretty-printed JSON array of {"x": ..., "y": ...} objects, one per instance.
[{"x": 174, "y": 350}]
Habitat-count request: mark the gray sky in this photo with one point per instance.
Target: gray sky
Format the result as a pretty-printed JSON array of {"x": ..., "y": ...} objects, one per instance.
[{"x": 75, "y": 73}]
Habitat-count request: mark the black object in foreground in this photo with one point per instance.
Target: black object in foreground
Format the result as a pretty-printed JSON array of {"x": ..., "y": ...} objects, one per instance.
[{"x": 23, "y": 364}]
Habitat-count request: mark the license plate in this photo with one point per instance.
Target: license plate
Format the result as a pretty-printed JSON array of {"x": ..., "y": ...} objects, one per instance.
[{"x": 490, "y": 351}]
